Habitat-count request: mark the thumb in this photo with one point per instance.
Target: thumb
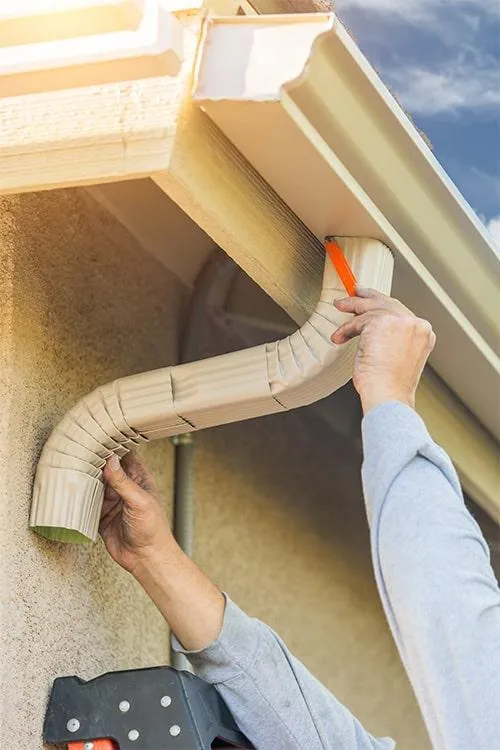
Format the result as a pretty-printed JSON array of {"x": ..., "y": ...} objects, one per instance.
[{"x": 129, "y": 491}]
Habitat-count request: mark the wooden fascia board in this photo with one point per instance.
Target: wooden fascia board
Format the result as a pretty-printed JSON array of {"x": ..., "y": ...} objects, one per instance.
[
  {"x": 285, "y": 130},
  {"x": 85, "y": 135},
  {"x": 475, "y": 454},
  {"x": 211, "y": 181}
]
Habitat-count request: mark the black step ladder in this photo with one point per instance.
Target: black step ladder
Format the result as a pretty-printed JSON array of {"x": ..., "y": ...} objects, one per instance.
[{"x": 158, "y": 708}]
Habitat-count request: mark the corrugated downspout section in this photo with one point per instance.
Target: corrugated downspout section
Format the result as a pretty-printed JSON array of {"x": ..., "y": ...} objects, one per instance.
[{"x": 274, "y": 377}]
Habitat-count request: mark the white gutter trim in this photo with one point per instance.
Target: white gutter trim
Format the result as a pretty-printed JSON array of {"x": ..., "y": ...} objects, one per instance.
[
  {"x": 297, "y": 370},
  {"x": 335, "y": 145},
  {"x": 157, "y": 44},
  {"x": 154, "y": 37}
]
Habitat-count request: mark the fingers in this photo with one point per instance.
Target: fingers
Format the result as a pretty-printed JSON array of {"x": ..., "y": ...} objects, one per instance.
[
  {"x": 368, "y": 299},
  {"x": 419, "y": 328},
  {"x": 108, "y": 517},
  {"x": 128, "y": 490},
  {"x": 354, "y": 327},
  {"x": 110, "y": 496},
  {"x": 367, "y": 293},
  {"x": 137, "y": 471},
  {"x": 355, "y": 305}
]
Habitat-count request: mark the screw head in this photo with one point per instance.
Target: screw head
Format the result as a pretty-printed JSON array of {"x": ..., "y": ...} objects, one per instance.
[
  {"x": 124, "y": 706},
  {"x": 133, "y": 735},
  {"x": 175, "y": 730},
  {"x": 73, "y": 725},
  {"x": 166, "y": 701}
]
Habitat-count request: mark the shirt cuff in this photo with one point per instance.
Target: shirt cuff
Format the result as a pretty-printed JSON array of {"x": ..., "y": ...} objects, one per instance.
[{"x": 232, "y": 653}]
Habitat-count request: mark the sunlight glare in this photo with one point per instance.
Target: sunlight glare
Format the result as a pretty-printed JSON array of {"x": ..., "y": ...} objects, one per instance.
[{"x": 9, "y": 9}]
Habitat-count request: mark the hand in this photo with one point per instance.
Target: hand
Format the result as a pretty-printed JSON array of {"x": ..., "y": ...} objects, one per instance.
[
  {"x": 133, "y": 524},
  {"x": 393, "y": 348},
  {"x": 137, "y": 536}
]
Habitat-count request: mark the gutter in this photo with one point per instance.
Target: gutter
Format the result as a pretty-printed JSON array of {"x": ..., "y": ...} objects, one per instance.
[
  {"x": 155, "y": 47},
  {"x": 310, "y": 114},
  {"x": 295, "y": 371}
]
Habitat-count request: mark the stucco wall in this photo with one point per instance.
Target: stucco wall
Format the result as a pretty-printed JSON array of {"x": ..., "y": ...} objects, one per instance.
[
  {"x": 280, "y": 523},
  {"x": 81, "y": 304}
]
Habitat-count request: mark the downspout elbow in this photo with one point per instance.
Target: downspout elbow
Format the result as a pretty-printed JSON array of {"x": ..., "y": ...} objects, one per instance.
[{"x": 296, "y": 371}]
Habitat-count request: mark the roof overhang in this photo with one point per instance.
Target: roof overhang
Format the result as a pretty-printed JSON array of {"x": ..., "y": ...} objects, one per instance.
[{"x": 298, "y": 99}]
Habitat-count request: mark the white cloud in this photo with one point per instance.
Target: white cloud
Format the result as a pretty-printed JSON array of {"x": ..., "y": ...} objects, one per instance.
[
  {"x": 459, "y": 85},
  {"x": 494, "y": 229},
  {"x": 421, "y": 10},
  {"x": 462, "y": 75}
]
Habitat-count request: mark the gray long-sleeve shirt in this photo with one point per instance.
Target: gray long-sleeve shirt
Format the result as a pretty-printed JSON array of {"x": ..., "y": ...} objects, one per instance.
[{"x": 440, "y": 596}]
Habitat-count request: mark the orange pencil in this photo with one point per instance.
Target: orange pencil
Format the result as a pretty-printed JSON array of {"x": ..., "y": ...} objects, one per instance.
[{"x": 341, "y": 266}]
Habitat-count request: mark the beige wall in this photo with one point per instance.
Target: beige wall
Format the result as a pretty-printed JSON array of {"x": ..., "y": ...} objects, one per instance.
[
  {"x": 280, "y": 522},
  {"x": 281, "y": 527}
]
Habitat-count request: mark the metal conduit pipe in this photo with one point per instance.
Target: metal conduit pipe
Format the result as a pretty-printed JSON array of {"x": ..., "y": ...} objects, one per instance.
[
  {"x": 295, "y": 371},
  {"x": 210, "y": 290},
  {"x": 183, "y": 522}
]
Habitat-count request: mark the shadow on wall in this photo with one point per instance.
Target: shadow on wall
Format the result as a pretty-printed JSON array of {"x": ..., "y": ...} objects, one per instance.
[{"x": 299, "y": 466}]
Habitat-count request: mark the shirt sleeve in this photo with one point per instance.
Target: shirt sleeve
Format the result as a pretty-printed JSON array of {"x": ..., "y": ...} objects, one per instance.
[
  {"x": 433, "y": 572},
  {"x": 275, "y": 701}
]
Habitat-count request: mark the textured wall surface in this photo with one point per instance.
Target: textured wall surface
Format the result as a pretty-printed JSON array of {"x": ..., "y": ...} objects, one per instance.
[
  {"x": 280, "y": 521},
  {"x": 80, "y": 305}
]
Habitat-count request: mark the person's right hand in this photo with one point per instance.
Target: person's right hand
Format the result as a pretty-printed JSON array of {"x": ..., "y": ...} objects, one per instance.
[
  {"x": 393, "y": 348},
  {"x": 133, "y": 524}
]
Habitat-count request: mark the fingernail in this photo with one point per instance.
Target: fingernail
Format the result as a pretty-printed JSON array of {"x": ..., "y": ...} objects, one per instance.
[{"x": 114, "y": 463}]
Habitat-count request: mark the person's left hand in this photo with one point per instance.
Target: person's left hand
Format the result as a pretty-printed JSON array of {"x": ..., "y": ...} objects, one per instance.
[{"x": 133, "y": 523}]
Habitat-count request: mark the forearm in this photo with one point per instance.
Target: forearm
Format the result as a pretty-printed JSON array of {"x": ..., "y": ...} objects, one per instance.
[
  {"x": 434, "y": 577},
  {"x": 275, "y": 700},
  {"x": 190, "y": 603}
]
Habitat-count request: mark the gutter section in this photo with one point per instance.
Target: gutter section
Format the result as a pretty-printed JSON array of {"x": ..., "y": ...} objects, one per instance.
[
  {"x": 154, "y": 48},
  {"x": 306, "y": 109},
  {"x": 296, "y": 371}
]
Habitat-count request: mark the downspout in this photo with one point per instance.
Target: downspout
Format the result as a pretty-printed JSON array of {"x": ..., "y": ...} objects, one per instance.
[
  {"x": 210, "y": 290},
  {"x": 296, "y": 371}
]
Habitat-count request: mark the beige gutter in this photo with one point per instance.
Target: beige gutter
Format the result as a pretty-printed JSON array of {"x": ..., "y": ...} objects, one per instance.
[{"x": 298, "y": 370}]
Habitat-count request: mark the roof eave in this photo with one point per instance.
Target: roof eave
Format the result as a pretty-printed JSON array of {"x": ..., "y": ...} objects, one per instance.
[{"x": 331, "y": 140}]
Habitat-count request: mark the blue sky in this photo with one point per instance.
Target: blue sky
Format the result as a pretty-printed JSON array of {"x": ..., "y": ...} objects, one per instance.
[{"x": 442, "y": 60}]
